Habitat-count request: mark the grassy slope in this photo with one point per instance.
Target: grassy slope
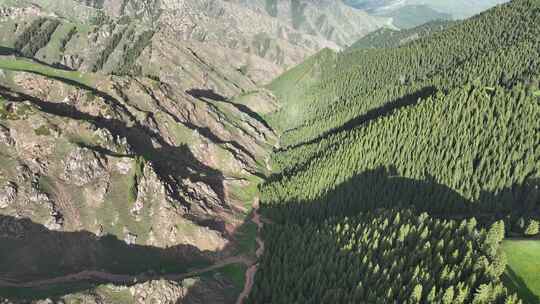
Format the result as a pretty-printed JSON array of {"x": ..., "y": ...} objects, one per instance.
[
  {"x": 25, "y": 65},
  {"x": 523, "y": 272}
]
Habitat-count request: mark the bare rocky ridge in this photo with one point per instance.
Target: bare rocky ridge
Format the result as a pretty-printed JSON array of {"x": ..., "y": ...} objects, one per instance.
[
  {"x": 136, "y": 159},
  {"x": 95, "y": 161},
  {"x": 326, "y": 19}
]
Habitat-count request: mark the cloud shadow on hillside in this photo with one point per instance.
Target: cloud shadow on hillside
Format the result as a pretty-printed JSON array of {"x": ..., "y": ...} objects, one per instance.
[{"x": 383, "y": 187}]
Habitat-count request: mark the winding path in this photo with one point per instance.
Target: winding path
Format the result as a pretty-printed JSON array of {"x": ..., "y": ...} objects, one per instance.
[
  {"x": 91, "y": 275},
  {"x": 250, "y": 273},
  {"x": 99, "y": 276}
]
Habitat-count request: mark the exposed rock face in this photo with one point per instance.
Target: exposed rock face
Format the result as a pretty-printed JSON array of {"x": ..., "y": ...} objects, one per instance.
[
  {"x": 56, "y": 221},
  {"x": 19, "y": 12},
  {"x": 159, "y": 292},
  {"x": 72, "y": 61},
  {"x": 199, "y": 192},
  {"x": 124, "y": 165},
  {"x": 8, "y": 194},
  {"x": 117, "y": 143},
  {"x": 130, "y": 238},
  {"x": 5, "y": 136},
  {"x": 149, "y": 187},
  {"x": 83, "y": 166}
]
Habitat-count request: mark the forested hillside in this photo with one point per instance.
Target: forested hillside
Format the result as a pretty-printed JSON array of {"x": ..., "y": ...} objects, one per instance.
[{"x": 404, "y": 168}]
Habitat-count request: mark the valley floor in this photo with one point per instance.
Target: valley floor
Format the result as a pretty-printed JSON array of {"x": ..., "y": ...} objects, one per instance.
[{"x": 120, "y": 279}]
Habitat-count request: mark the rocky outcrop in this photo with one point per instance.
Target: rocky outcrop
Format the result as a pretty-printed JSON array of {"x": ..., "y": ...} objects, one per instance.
[
  {"x": 8, "y": 194},
  {"x": 130, "y": 238},
  {"x": 83, "y": 166},
  {"x": 5, "y": 136},
  {"x": 149, "y": 187},
  {"x": 124, "y": 165},
  {"x": 116, "y": 143},
  {"x": 20, "y": 12},
  {"x": 137, "y": 159},
  {"x": 208, "y": 42},
  {"x": 158, "y": 292},
  {"x": 201, "y": 195},
  {"x": 72, "y": 61},
  {"x": 55, "y": 221}
]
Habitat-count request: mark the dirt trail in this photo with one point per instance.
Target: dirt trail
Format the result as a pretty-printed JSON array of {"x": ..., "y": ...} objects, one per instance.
[
  {"x": 250, "y": 273},
  {"x": 99, "y": 276},
  {"x": 90, "y": 275}
]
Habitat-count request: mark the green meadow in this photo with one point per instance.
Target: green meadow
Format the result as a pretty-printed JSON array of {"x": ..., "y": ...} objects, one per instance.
[{"x": 523, "y": 270}]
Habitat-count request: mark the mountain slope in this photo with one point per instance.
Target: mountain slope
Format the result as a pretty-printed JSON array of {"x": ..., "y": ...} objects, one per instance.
[
  {"x": 136, "y": 144},
  {"x": 233, "y": 33},
  {"x": 393, "y": 146},
  {"x": 122, "y": 151},
  {"x": 330, "y": 20}
]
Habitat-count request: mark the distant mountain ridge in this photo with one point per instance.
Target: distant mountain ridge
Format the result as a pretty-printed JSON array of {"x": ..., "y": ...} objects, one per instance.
[
  {"x": 266, "y": 37},
  {"x": 410, "y": 13},
  {"x": 331, "y": 20},
  {"x": 389, "y": 38}
]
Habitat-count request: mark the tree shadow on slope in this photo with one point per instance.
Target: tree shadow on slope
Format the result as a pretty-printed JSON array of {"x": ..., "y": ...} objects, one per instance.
[
  {"x": 213, "y": 287},
  {"x": 384, "y": 188},
  {"x": 516, "y": 284},
  {"x": 5, "y": 51},
  {"x": 369, "y": 191},
  {"x": 171, "y": 163}
]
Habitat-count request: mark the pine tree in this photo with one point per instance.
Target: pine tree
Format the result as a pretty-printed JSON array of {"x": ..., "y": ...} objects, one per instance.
[
  {"x": 532, "y": 228},
  {"x": 416, "y": 295}
]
